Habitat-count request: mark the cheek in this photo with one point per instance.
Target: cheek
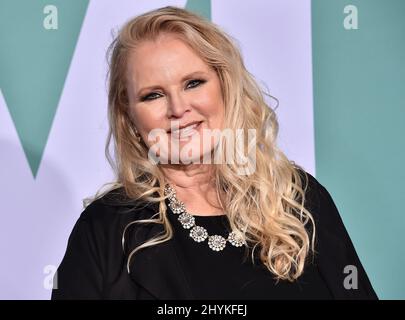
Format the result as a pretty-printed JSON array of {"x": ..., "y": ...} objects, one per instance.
[
  {"x": 211, "y": 102},
  {"x": 215, "y": 108},
  {"x": 147, "y": 118}
]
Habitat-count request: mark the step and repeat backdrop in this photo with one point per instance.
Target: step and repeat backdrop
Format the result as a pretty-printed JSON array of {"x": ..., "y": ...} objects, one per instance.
[{"x": 336, "y": 67}]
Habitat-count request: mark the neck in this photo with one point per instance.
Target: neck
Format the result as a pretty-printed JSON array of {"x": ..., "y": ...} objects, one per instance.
[
  {"x": 194, "y": 185},
  {"x": 193, "y": 177}
]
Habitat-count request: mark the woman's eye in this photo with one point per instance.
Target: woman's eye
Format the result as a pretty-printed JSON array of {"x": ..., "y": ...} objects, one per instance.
[
  {"x": 195, "y": 83},
  {"x": 151, "y": 96},
  {"x": 154, "y": 95}
]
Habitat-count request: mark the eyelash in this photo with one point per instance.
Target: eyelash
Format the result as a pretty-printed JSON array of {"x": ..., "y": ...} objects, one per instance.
[{"x": 200, "y": 81}]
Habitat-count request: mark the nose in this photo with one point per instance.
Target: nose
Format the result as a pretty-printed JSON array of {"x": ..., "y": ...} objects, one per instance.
[{"x": 177, "y": 105}]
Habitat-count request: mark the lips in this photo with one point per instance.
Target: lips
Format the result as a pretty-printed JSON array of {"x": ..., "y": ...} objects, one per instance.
[
  {"x": 185, "y": 130},
  {"x": 184, "y": 126}
]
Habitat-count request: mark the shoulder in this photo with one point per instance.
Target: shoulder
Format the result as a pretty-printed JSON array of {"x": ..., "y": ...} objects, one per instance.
[
  {"x": 318, "y": 200},
  {"x": 330, "y": 228},
  {"x": 106, "y": 220},
  {"x": 115, "y": 206},
  {"x": 94, "y": 256},
  {"x": 102, "y": 224},
  {"x": 335, "y": 249},
  {"x": 328, "y": 221}
]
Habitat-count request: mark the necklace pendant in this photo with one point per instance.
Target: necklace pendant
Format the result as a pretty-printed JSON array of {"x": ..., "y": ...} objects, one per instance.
[
  {"x": 177, "y": 206},
  {"x": 199, "y": 234},
  {"x": 187, "y": 220},
  {"x": 216, "y": 242},
  {"x": 169, "y": 190},
  {"x": 235, "y": 240}
]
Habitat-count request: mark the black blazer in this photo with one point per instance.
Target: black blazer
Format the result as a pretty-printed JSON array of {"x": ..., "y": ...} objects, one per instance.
[{"x": 94, "y": 265}]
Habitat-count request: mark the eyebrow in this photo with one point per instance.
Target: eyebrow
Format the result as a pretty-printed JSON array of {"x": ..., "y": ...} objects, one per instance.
[{"x": 186, "y": 77}]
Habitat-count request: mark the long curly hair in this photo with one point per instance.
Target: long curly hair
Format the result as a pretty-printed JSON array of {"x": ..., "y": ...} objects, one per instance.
[{"x": 265, "y": 207}]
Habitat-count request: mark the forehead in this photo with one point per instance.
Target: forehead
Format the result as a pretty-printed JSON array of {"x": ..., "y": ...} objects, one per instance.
[{"x": 165, "y": 58}]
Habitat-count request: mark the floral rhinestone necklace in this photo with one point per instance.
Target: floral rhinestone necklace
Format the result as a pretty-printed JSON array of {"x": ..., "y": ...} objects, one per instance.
[{"x": 198, "y": 233}]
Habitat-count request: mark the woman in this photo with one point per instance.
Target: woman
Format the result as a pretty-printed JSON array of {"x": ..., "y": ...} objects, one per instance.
[{"x": 193, "y": 229}]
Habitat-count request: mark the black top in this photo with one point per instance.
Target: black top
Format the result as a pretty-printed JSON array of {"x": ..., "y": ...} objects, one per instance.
[
  {"x": 94, "y": 265},
  {"x": 231, "y": 272}
]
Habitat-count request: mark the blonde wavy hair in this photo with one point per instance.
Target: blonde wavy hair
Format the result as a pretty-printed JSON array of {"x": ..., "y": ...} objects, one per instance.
[{"x": 266, "y": 208}]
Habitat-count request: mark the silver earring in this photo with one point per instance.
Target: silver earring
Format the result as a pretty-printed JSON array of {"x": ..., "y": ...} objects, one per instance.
[{"x": 137, "y": 135}]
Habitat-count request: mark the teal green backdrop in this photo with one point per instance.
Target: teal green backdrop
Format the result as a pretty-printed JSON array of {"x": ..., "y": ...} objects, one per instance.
[{"x": 359, "y": 108}]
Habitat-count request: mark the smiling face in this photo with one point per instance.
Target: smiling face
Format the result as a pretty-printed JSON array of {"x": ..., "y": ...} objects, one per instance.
[{"x": 167, "y": 84}]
